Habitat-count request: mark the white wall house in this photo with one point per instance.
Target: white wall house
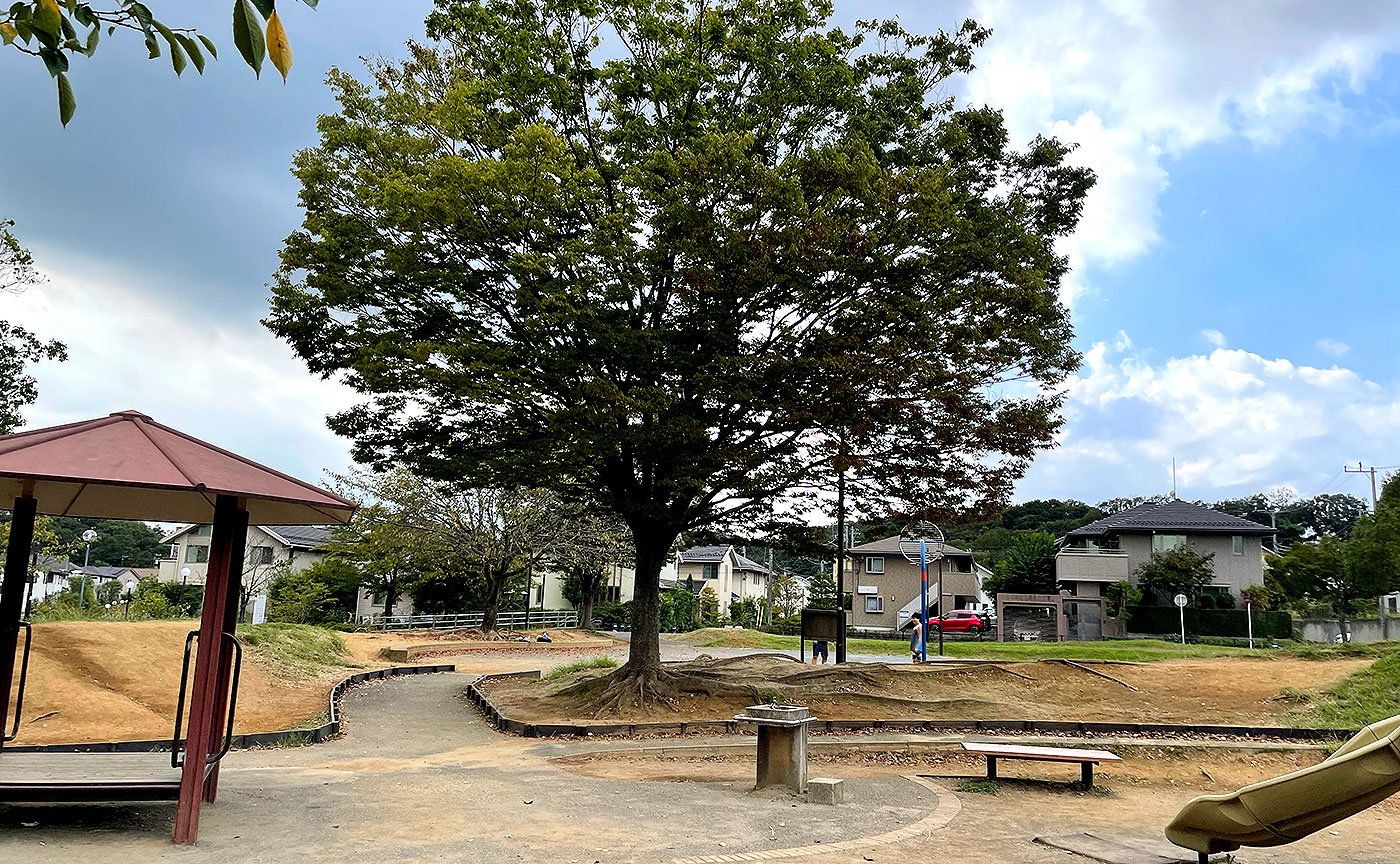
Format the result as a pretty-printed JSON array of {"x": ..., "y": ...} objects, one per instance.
[{"x": 726, "y": 571}]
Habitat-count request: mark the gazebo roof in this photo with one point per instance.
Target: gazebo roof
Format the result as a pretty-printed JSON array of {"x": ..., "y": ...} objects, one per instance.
[{"x": 127, "y": 466}]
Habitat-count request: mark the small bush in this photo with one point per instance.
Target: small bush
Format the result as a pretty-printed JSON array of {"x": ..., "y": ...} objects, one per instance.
[{"x": 979, "y": 787}]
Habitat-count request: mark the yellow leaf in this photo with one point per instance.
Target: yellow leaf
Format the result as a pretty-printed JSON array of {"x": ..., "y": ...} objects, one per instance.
[
  {"x": 279, "y": 50},
  {"x": 8, "y": 32}
]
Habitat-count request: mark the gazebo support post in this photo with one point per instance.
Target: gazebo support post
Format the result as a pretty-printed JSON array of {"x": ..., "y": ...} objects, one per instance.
[
  {"x": 12, "y": 597},
  {"x": 231, "y": 612},
  {"x": 203, "y": 691}
]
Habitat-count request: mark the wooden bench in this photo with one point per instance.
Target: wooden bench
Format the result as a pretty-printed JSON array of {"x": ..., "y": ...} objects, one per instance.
[{"x": 1087, "y": 759}]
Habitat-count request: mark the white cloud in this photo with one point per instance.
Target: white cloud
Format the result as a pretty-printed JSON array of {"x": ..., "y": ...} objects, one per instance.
[
  {"x": 1235, "y": 421},
  {"x": 1332, "y": 346},
  {"x": 1135, "y": 82},
  {"x": 234, "y": 385},
  {"x": 1216, "y": 338}
]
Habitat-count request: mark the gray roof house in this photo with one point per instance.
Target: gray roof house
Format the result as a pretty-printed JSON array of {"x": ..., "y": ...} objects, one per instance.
[
  {"x": 887, "y": 587},
  {"x": 1111, "y": 549},
  {"x": 732, "y": 576}
]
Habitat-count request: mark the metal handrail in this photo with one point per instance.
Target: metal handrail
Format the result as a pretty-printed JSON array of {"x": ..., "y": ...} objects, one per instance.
[
  {"x": 23, "y": 675},
  {"x": 176, "y": 761},
  {"x": 232, "y": 699}
]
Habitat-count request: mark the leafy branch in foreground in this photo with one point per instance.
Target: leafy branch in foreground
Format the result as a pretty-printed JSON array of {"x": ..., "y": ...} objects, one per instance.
[{"x": 57, "y": 32}]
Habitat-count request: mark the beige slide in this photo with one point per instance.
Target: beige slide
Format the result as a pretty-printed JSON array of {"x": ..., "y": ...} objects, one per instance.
[{"x": 1364, "y": 771}]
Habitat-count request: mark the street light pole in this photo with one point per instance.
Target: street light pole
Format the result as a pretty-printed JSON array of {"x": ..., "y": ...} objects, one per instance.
[{"x": 88, "y": 536}]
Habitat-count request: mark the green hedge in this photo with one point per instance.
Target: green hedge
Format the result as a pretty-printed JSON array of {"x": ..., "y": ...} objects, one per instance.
[{"x": 1210, "y": 622}]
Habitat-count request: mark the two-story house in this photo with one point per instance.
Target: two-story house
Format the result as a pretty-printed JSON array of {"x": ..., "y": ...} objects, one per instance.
[
  {"x": 1111, "y": 549},
  {"x": 886, "y": 586},
  {"x": 726, "y": 571},
  {"x": 268, "y": 548}
]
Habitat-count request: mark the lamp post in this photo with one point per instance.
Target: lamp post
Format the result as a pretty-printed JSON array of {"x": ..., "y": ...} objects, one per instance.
[
  {"x": 184, "y": 574},
  {"x": 130, "y": 586},
  {"x": 88, "y": 536}
]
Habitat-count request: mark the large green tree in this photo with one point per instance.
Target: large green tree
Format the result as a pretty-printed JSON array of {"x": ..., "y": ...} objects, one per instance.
[
  {"x": 19, "y": 348},
  {"x": 684, "y": 258},
  {"x": 1028, "y": 567}
]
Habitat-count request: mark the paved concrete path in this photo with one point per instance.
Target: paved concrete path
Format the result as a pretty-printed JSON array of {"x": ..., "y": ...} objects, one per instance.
[{"x": 419, "y": 777}]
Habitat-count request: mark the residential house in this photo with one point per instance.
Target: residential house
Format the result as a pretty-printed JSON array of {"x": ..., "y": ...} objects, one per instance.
[
  {"x": 548, "y": 590},
  {"x": 268, "y": 548},
  {"x": 887, "y": 587},
  {"x": 50, "y": 576},
  {"x": 1111, "y": 549},
  {"x": 724, "y": 569}
]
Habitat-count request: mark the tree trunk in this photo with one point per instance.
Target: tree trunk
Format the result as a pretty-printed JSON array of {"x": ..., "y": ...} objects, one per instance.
[
  {"x": 495, "y": 587},
  {"x": 390, "y": 595},
  {"x": 644, "y": 656},
  {"x": 585, "y": 606}
]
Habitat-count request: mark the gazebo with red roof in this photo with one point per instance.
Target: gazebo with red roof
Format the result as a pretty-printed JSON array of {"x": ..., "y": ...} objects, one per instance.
[{"x": 127, "y": 466}]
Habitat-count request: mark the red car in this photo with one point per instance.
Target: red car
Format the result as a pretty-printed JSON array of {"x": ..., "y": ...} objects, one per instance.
[{"x": 960, "y": 621}]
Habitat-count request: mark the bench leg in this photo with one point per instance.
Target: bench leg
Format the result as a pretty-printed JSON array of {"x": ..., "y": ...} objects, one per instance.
[
  {"x": 991, "y": 767},
  {"x": 1086, "y": 774},
  {"x": 1202, "y": 858}
]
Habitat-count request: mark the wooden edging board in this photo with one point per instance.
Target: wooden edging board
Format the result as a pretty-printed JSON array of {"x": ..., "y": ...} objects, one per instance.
[
  {"x": 730, "y": 727},
  {"x": 317, "y": 735}
]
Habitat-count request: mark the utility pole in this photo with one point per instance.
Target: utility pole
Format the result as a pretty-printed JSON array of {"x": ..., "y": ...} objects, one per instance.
[
  {"x": 768, "y": 587},
  {"x": 1359, "y": 469},
  {"x": 841, "y": 563}
]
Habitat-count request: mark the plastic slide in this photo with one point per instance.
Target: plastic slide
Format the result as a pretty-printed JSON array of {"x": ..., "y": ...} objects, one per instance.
[{"x": 1364, "y": 771}]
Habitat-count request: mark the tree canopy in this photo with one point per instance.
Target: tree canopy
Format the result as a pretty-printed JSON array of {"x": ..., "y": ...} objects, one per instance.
[
  {"x": 681, "y": 258},
  {"x": 1181, "y": 570}
]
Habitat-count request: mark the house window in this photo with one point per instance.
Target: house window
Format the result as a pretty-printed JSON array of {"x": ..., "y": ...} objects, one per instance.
[
  {"x": 202, "y": 530},
  {"x": 1167, "y": 542},
  {"x": 196, "y": 554},
  {"x": 1239, "y": 544},
  {"x": 874, "y": 605},
  {"x": 258, "y": 555},
  {"x": 709, "y": 571},
  {"x": 376, "y": 599},
  {"x": 874, "y": 564}
]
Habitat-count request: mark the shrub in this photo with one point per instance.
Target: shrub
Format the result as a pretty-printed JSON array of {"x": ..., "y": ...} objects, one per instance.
[
  {"x": 1209, "y": 622},
  {"x": 580, "y": 665}
]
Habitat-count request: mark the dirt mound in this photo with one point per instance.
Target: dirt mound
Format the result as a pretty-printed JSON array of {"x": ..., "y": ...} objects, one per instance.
[
  {"x": 117, "y": 680},
  {"x": 1224, "y": 691}
]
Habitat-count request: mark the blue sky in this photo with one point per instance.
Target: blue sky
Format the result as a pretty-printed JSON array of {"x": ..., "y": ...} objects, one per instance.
[{"x": 1233, "y": 287}]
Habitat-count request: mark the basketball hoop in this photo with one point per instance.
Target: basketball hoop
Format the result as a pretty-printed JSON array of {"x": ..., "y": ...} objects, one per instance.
[{"x": 926, "y": 539}]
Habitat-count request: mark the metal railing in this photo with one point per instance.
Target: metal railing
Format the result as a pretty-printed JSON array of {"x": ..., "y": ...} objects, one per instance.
[
  {"x": 558, "y": 620},
  {"x": 1079, "y": 550}
]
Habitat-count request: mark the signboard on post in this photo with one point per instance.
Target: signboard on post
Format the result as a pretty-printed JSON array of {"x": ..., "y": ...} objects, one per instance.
[
  {"x": 818, "y": 625},
  {"x": 1180, "y": 601}
]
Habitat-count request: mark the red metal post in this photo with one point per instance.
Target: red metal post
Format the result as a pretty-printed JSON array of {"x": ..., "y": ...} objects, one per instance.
[
  {"x": 203, "y": 691},
  {"x": 231, "y": 612},
  {"x": 12, "y": 597}
]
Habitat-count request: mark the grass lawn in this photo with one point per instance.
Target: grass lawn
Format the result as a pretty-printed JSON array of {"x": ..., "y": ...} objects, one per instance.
[
  {"x": 295, "y": 650},
  {"x": 1359, "y": 699},
  {"x": 1132, "y": 650}
]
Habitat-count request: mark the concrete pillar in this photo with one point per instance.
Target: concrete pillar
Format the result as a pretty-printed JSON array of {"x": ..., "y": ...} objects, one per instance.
[{"x": 782, "y": 744}]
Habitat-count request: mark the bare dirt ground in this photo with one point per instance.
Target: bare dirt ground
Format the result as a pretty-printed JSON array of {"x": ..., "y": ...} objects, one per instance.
[
  {"x": 1221, "y": 691},
  {"x": 119, "y": 680}
]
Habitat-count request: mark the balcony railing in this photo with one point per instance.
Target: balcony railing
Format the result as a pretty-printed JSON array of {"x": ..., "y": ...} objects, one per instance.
[{"x": 1076, "y": 550}]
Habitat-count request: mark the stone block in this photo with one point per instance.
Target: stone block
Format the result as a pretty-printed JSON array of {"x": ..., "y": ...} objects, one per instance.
[{"x": 825, "y": 790}]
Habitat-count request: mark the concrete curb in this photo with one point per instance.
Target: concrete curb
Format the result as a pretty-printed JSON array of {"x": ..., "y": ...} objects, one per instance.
[{"x": 317, "y": 735}]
